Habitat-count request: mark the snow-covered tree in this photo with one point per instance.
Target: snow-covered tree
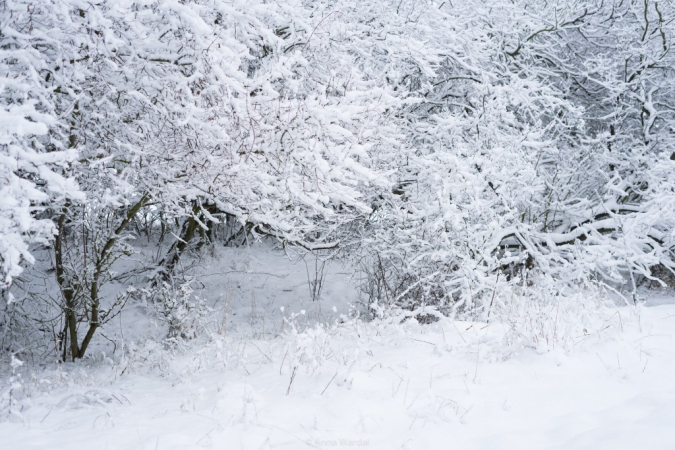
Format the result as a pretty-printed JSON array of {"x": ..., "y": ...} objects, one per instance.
[
  {"x": 33, "y": 138},
  {"x": 199, "y": 110},
  {"x": 526, "y": 160}
]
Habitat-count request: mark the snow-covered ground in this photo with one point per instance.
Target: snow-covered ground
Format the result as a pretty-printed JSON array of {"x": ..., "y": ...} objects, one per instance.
[{"x": 260, "y": 383}]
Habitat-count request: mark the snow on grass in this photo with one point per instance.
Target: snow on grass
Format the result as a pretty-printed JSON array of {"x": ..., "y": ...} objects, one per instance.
[
  {"x": 267, "y": 378},
  {"x": 371, "y": 385}
]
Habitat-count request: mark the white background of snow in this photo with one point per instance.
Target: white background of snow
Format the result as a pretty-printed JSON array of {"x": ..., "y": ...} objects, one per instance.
[{"x": 382, "y": 386}]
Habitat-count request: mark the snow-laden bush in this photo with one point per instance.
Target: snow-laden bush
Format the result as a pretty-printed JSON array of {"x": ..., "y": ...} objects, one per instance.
[
  {"x": 185, "y": 314},
  {"x": 537, "y": 154},
  {"x": 11, "y": 392}
]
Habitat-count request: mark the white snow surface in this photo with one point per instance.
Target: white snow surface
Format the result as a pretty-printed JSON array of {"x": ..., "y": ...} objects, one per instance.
[{"x": 283, "y": 380}]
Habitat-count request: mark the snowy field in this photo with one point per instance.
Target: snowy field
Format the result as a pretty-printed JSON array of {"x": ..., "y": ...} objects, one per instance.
[{"x": 265, "y": 382}]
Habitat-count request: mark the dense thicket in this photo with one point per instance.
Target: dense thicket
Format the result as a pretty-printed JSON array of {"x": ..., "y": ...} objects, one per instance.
[{"x": 459, "y": 154}]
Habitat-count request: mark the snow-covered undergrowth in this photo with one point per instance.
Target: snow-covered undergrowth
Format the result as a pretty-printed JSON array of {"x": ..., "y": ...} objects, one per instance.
[
  {"x": 270, "y": 368},
  {"x": 377, "y": 384}
]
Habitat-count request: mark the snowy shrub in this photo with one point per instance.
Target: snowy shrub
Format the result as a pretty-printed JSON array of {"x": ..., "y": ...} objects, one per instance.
[
  {"x": 11, "y": 392},
  {"x": 545, "y": 318},
  {"x": 511, "y": 172},
  {"x": 185, "y": 314},
  {"x": 309, "y": 348}
]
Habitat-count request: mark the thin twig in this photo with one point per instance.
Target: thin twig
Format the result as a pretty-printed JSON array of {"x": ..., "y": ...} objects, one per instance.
[
  {"x": 282, "y": 361},
  {"x": 331, "y": 380},
  {"x": 292, "y": 378},
  {"x": 493, "y": 296}
]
